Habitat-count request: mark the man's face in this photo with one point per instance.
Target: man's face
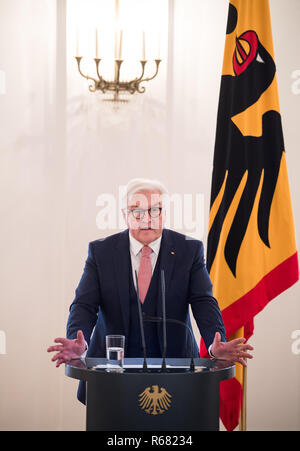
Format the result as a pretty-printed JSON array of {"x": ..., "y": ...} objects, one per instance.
[{"x": 142, "y": 226}]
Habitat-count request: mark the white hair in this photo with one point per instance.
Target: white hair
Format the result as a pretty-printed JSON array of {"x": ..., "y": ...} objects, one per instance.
[{"x": 140, "y": 184}]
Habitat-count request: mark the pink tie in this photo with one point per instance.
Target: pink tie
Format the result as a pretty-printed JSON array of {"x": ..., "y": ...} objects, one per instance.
[{"x": 145, "y": 272}]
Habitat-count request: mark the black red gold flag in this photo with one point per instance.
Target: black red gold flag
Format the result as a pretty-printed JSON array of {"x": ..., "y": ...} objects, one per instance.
[{"x": 251, "y": 249}]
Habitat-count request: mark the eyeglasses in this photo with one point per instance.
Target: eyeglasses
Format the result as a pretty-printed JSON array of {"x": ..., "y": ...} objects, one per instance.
[{"x": 139, "y": 213}]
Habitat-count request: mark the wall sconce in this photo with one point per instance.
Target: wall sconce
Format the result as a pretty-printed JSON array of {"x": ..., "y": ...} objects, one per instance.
[{"x": 117, "y": 86}]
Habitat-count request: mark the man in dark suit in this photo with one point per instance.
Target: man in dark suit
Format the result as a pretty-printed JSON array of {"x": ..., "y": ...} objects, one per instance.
[{"x": 106, "y": 297}]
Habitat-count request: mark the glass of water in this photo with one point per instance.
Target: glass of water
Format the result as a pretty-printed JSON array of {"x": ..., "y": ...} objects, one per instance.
[{"x": 115, "y": 352}]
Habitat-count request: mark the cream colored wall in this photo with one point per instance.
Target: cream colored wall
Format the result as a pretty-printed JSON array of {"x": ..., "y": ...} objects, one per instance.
[{"x": 61, "y": 149}]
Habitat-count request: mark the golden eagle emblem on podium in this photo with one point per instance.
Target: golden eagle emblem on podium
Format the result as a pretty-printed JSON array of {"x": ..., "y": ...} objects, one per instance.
[{"x": 155, "y": 401}]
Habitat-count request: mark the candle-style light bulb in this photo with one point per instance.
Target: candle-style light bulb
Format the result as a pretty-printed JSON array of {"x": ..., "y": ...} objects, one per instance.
[
  {"x": 77, "y": 42},
  {"x": 120, "y": 44},
  {"x": 97, "y": 44},
  {"x": 158, "y": 47},
  {"x": 143, "y": 46}
]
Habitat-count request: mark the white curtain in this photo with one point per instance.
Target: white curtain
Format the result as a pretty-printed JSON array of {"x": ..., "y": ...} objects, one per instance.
[{"x": 31, "y": 234}]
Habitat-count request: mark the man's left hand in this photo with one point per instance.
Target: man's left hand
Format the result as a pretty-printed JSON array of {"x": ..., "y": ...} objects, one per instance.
[{"x": 235, "y": 350}]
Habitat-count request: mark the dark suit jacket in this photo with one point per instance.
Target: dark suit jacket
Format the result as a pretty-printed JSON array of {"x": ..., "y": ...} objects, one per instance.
[{"x": 102, "y": 297}]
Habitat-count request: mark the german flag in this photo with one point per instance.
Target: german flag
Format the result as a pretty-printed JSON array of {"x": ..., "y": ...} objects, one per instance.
[{"x": 251, "y": 249}]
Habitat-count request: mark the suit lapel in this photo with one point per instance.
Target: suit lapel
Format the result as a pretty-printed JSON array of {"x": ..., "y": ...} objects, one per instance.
[{"x": 122, "y": 268}]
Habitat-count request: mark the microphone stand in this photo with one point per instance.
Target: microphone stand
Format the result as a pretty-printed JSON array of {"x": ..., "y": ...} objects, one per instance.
[
  {"x": 163, "y": 290},
  {"x": 164, "y": 320},
  {"x": 145, "y": 368},
  {"x": 159, "y": 319}
]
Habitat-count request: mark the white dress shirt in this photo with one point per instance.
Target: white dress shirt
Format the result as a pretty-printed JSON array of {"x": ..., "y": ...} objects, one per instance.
[{"x": 136, "y": 253}]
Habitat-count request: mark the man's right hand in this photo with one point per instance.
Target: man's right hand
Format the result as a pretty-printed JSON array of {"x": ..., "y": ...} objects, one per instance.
[{"x": 68, "y": 349}]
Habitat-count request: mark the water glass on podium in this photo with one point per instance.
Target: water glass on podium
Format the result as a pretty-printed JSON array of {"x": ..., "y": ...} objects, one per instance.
[{"x": 115, "y": 352}]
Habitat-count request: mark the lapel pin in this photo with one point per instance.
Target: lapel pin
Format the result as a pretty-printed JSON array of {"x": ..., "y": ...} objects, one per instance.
[{"x": 172, "y": 253}]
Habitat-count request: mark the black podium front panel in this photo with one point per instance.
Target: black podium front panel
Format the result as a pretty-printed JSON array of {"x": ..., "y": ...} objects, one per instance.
[{"x": 175, "y": 400}]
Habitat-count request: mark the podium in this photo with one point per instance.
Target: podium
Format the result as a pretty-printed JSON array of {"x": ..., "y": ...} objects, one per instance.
[{"x": 133, "y": 400}]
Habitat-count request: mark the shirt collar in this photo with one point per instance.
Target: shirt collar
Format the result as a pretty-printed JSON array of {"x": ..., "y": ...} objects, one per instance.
[{"x": 136, "y": 246}]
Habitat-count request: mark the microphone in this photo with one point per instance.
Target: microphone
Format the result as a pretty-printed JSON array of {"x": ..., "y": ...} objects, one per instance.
[
  {"x": 163, "y": 292},
  {"x": 159, "y": 319},
  {"x": 145, "y": 368}
]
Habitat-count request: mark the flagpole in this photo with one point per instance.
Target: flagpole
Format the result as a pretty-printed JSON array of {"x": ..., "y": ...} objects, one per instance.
[{"x": 243, "y": 416}]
